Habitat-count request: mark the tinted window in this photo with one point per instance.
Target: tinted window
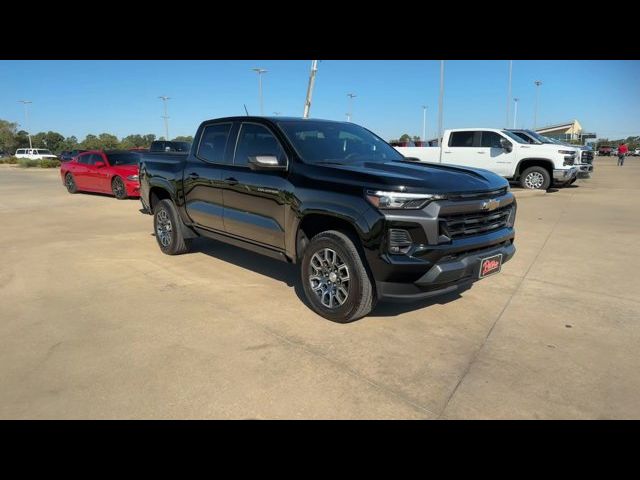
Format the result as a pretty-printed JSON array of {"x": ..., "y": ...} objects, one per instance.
[
  {"x": 337, "y": 142},
  {"x": 256, "y": 140},
  {"x": 461, "y": 139},
  {"x": 214, "y": 142},
  {"x": 84, "y": 159},
  {"x": 123, "y": 158},
  {"x": 20, "y": 152},
  {"x": 490, "y": 140}
]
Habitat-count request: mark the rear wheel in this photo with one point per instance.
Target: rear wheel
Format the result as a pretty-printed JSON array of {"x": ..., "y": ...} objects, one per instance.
[
  {"x": 118, "y": 188},
  {"x": 334, "y": 278},
  {"x": 70, "y": 183},
  {"x": 167, "y": 229},
  {"x": 535, "y": 178}
]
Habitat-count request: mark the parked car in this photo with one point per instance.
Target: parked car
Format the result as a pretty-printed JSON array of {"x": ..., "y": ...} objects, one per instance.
[
  {"x": 605, "y": 150},
  {"x": 110, "y": 171},
  {"x": 534, "y": 166},
  {"x": 67, "y": 155},
  {"x": 584, "y": 155},
  {"x": 636, "y": 152},
  {"x": 614, "y": 152},
  {"x": 34, "y": 153},
  {"x": 362, "y": 222},
  {"x": 165, "y": 146}
]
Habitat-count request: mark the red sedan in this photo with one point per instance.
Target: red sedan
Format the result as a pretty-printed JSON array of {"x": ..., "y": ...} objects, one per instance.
[{"x": 110, "y": 171}]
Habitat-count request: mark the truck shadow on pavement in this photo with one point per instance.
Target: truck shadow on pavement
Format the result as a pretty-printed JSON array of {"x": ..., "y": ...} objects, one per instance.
[{"x": 288, "y": 273}]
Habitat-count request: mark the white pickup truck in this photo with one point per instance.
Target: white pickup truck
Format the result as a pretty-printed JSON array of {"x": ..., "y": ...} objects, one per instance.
[
  {"x": 34, "y": 153},
  {"x": 535, "y": 166}
]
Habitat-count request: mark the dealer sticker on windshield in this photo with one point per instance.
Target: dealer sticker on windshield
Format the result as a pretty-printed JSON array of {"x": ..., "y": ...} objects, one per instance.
[{"x": 490, "y": 265}]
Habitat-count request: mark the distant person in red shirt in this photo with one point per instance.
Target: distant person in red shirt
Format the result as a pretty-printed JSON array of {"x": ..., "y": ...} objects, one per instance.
[{"x": 622, "y": 151}]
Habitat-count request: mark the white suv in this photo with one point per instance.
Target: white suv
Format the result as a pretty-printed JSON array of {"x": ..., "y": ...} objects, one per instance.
[{"x": 34, "y": 153}]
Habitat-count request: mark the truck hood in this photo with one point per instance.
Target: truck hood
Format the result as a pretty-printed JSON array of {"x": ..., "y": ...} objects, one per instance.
[{"x": 418, "y": 177}]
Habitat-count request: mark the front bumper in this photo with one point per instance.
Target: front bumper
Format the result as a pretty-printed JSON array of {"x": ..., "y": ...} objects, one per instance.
[
  {"x": 446, "y": 276},
  {"x": 565, "y": 175},
  {"x": 133, "y": 188},
  {"x": 585, "y": 169}
]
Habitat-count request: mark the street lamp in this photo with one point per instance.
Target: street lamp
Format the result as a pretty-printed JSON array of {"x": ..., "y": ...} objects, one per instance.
[
  {"x": 440, "y": 107},
  {"x": 515, "y": 111},
  {"x": 535, "y": 114},
  {"x": 351, "y": 96},
  {"x": 260, "y": 71},
  {"x": 26, "y": 118},
  {"x": 424, "y": 123},
  {"x": 509, "y": 92},
  {"x": 165, "y": 116},
  {"x": 312, "y": 79}
]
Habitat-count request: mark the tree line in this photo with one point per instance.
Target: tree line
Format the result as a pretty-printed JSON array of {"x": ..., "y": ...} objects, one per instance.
[{"x": 12, "y": 139}]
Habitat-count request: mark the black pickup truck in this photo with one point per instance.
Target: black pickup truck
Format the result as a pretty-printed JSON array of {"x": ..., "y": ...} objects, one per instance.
[{"x": 363, "y": 222}]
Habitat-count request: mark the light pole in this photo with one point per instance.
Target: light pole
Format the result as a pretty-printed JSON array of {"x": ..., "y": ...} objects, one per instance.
[
  {"x": 165, "y": 116},
  {"x": 440, "y": 107},
  {"x": 312, "y": 80},
  {"x": 260, "y": 71},
  {"x": 26, "y": 119},
  {"x": 351, "y": 96},
  {"x": 515, "y": 111},
  {"x": 424, "y": 123},
  {"x": 535, "y": 114},
  {"x": 509, "y": 92}
]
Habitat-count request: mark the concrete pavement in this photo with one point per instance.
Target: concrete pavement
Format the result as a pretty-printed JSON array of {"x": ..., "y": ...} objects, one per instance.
[{"x": 96, "y": 323}]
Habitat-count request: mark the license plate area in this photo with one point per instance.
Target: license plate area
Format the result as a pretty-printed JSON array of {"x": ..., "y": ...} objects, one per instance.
[{"x": 490, "y": 265}]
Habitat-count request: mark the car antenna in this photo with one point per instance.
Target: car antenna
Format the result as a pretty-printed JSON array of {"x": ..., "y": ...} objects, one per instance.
[{"x": 245, "y": 109}]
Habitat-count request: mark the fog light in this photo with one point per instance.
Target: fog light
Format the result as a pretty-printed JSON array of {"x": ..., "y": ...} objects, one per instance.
[{"x": 399, "y": 241}]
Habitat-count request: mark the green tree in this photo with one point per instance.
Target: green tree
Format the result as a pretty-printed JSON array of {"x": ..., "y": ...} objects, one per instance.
[
  {"x": 8, "y": 140},
  {"x": 405, "y": 137},
  {"x": 132, "y": 141},
  {"x": 149, "y": 138},
  {"x": 184, "y": 138}
]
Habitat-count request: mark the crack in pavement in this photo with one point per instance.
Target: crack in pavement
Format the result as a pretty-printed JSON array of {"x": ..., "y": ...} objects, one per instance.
[{"x": 515, "y": 292}]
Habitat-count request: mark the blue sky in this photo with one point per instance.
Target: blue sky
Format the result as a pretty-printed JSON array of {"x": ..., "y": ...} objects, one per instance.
[{"x": 120, "y": 97}]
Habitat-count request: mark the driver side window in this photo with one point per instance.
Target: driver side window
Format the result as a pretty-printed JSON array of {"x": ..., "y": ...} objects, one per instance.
[{"x": 256, "y": 140}]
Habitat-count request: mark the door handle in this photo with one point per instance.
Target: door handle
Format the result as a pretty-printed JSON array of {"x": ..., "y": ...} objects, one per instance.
[
  {"x": 194, "y": 176},
  {"x": 447, "y": 152},
  {"x": 230, "y": 181},
  {"x": 481, "y": 152}
]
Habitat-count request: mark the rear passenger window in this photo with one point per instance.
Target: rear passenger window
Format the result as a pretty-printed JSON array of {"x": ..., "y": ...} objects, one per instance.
[
  {"x": 84, "y": 159},
  {"x": 490, "y": 140},
  {"x": 256, "y": 140},
  {"x": 214, "y": 142},
  {"x": 461, "y": 139}
]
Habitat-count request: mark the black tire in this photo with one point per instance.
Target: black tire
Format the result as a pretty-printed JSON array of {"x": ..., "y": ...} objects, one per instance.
[
  {"x": 535, "y": 178},
  {"x": 70, "y": 183},
  {"x": 166, "y": 226},
  {"x": 360, "y": 298},
  {"x": 118, "y": 188}
]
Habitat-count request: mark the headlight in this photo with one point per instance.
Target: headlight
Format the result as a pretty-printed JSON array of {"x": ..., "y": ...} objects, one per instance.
[
  {"x": 387, "y": 200},
  {"x": 567, "y": 152},
  {"x": 133, "y": 178}
]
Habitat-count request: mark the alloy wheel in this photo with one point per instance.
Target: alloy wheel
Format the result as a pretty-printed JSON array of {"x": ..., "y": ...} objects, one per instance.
[
  {"x": 329, "y": 278},
  {"x": 164, "y": 229},
  {"x": 534, "y": 180}
]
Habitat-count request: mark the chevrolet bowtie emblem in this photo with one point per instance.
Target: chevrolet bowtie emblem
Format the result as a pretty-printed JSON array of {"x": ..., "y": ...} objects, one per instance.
[{"x": 490, "y": 205}]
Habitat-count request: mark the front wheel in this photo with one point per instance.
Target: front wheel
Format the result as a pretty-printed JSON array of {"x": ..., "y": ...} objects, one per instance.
[
  {"x": 535, "y": 178},
  {"x": 118, "y": 188},
  {"x": 334, "y": 278},
  {"x": 70, "y": 183}
]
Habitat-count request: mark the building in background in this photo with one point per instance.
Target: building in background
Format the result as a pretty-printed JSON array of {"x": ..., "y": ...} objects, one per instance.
[{"x": 567, "y": 132}]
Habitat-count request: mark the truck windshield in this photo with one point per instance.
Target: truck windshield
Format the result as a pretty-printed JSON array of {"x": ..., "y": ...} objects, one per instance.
[
  {"x": 514, "y": 136},
  {"x": 336, "y": 142},
  {"x": 124, "y": 158}
]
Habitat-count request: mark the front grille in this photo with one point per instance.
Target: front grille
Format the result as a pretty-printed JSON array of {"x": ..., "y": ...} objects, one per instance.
[
  {"x": 467, "y": 224},
  {"x": 587, "y": 157},
  {"x": 477, "y": 195}
]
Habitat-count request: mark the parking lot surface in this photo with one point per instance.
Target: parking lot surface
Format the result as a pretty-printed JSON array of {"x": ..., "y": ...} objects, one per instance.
[{"x": 95, "y": 322}]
